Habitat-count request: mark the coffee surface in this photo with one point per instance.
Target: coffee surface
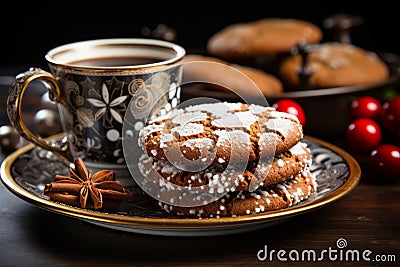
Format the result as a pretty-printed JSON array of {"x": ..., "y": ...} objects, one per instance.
[{"x": 116, "y": 61}]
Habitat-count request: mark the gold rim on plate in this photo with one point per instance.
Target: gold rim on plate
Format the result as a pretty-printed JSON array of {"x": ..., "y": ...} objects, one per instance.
[{"x": 160, "y": 223}]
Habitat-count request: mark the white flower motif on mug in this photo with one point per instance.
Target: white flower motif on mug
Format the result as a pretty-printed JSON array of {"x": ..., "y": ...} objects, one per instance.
[{"x": 107, "y": 105}]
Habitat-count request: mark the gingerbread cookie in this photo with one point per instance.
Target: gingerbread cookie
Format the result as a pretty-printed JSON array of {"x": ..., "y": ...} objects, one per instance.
[
  {"x": 334, "y": 65},
  {"x": 217, "y": 133},
  {"x": 282, "y": 167},
  {"x": 226, "y": 76},
  {"x": 262, "y": 37},
  {"x": 274, "y": 197}
]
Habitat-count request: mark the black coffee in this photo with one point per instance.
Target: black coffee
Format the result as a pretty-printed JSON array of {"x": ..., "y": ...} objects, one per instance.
[{"x": 116, "y": 61}]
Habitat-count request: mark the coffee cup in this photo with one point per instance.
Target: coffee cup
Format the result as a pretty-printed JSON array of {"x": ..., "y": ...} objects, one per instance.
[{"x": 92, "y": 83}]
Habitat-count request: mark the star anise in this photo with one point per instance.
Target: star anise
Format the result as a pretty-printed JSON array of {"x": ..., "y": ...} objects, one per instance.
[{"x": 81, "y": 188}]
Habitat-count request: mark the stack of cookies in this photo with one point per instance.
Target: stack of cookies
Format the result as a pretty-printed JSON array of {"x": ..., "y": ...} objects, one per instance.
[{"x": 225, "y": 159}]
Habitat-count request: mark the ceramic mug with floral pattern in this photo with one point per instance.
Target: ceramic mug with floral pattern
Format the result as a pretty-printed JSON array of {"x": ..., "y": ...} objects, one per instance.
[{"x": 93, "y": 82}]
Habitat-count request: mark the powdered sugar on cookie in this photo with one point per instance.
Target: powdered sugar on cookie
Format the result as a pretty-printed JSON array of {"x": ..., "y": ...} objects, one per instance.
[{"x": 254, "y": 128}]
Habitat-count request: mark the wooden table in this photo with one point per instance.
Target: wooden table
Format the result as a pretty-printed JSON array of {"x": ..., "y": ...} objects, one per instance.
[{"x": 367, "y": 219}]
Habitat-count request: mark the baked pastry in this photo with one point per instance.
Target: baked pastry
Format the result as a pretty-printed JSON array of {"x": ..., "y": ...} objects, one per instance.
[
  {"x": 262, "y": 37},
  {"x": 282, "y": 167},
  {"x": 333, "y": 65},
  {"x": 225, "y": 159},
  {"x": 274, "y": 197},
  {"x": 220, "y": 133},
  {"x": 222, "y": 75}
]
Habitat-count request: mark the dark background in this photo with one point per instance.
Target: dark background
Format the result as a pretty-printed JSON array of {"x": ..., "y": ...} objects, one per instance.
[{"x": 29, "y": 30}]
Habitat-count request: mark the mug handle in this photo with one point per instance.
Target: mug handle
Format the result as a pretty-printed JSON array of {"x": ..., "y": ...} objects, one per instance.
[{"x": 14, "y": 107}]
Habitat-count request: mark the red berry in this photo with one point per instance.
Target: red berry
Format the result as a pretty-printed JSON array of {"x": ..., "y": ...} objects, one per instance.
[
  {"x": 385, "y": 161},
  {"x": 363, "y": 135},
  {"x": 365, "y": 107},
  {"x": 291, "y": 107},
  {"x": 390, "y": 115}
]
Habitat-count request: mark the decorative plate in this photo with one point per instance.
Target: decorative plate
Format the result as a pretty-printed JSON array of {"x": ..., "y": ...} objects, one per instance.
[{"x": 27, "y": 170}]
